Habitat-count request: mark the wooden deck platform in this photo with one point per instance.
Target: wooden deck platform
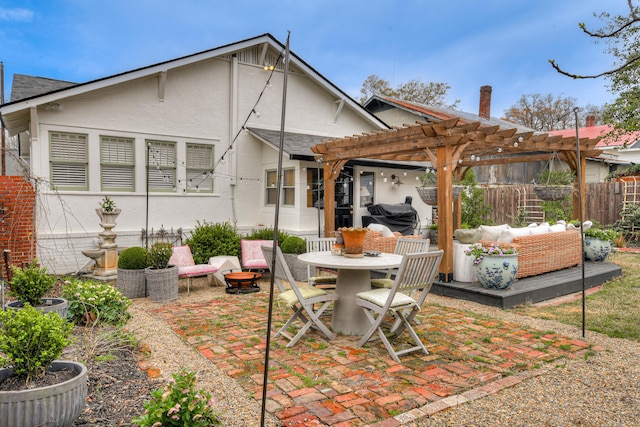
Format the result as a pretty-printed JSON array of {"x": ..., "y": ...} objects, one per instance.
[{"x": 532, "y": 289}]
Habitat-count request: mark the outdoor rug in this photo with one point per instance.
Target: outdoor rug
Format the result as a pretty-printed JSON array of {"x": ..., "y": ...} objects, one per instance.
[{"x": 334, "y": 383}]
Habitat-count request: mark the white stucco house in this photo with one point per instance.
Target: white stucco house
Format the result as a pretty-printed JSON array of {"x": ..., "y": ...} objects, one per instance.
[{"x": 187, "y": 140}]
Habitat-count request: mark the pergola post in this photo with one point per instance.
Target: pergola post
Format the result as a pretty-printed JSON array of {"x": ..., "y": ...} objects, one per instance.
[{"x": 445, "y": 211}]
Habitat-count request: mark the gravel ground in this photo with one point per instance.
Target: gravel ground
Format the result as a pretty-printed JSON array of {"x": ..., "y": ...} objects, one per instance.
[{"x": 601, "y": 390}]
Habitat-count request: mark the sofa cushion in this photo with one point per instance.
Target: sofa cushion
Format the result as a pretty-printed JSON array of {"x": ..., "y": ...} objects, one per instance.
[
  {"x": 491, "y": 232},
  {"x": 540, "y": 229},
  {"x": 382, "y": 229},
  {"x": 507, "y": 235},
  {"x": 557, "y": 227}
]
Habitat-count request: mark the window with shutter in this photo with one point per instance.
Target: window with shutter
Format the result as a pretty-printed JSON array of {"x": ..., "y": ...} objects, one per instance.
[
  {"x": 162, "y": 165},
  {"x": 68, "y": 156},
  {"x": 117, "y": 163},
  {"x": 199, "y": 165}
]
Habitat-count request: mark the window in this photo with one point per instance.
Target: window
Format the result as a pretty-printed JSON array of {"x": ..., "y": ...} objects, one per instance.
[
  {"x": 161, "y": 158},
  {"x": 315, "y": 187},
  {"x": 199, "y": 166},
  {"x": 288, "y": 187},
  {"x": 69, "y": 161},
  {"x": 116, "y": 163}
]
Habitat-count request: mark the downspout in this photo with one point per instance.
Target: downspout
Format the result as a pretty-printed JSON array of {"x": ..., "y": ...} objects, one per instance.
[{"x": 232, "y": 158}]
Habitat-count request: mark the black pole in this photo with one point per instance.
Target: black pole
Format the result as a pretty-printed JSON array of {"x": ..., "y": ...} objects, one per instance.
[
  {"x": 275, "y": 233},
  {"x": 579, "y": 178},
  {"x": 146, "y": 229}
]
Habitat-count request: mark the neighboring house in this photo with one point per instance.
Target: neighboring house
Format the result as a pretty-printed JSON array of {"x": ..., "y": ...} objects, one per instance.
[
  {"x": 189, "y": 140},
  {"x": 397, "y": 112},
  {"x": 618, "y": 152}
]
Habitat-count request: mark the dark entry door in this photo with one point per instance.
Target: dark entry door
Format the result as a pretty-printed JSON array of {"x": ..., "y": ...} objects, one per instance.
[{"x": 344, "y": 198}]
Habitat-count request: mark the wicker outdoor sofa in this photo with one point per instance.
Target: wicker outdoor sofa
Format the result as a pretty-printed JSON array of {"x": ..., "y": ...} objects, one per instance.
[
  {"x": 542, "y": 253},
  {"x": 373, "y": 241}
]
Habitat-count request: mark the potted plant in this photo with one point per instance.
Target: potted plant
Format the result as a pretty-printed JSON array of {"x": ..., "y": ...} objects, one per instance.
[
  {"x": 496, "y": 266},
  {"x": 433, "y": 233},
  {"x": 131, "y": 276},
  {"x": 598, "y": 243},
  {"x": 38, "y": 389},
  {"x": 29, "y": 285},
  {"x": 291, "y": 247},
  {"x": 428, "y": 189},
  {"x": 162, "y": 278},
  {"x": 353, "y": 241},
  {"x": 554, "y": 185}
]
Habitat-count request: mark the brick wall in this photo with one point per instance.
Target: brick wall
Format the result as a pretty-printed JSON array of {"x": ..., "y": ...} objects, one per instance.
[{"x": 17, "y": 220}]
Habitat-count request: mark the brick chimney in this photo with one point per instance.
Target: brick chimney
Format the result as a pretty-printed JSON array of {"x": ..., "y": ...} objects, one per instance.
[
  {"x": 485, "y": 102},
  {"x": 591, "y": 121}
]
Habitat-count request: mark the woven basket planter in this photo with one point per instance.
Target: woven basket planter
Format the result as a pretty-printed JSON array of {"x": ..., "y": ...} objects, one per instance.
[
  {"x": 429, "y": 195},
  {"x": 132, "y": 283},
  {"x": 162, "y": 283},
  {"x": 553, "y": 192}
]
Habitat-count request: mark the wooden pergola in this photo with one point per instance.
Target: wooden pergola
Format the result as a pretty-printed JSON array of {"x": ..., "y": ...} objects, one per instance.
[{"x": 449, "y": 145}]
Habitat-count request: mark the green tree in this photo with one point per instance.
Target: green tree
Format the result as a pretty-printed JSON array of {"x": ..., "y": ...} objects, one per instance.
[
  {"x": 474, "y": 211},
  {"x": 413, "y": 91},
  {"x": 621, "y": 35}
]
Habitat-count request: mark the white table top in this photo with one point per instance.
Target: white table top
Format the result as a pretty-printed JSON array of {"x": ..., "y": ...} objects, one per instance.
[{"x": 327, "y": 259}]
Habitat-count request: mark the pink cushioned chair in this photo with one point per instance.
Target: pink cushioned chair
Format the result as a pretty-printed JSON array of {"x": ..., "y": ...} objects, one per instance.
[
  {"x": 182, "y": 258},
  {"x": 252, "y": 256}
]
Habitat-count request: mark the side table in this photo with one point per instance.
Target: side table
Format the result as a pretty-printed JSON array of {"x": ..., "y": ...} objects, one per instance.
[{"x": 463, "y": 269}]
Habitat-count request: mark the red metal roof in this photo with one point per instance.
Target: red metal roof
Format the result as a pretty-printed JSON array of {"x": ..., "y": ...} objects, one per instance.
[{"x": 600, "y": 131}]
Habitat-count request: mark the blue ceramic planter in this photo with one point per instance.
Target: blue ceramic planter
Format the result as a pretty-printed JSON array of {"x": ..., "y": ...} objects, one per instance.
[
  {"x": 596, "y": 249},
  {"x": 497, "y": 272}
]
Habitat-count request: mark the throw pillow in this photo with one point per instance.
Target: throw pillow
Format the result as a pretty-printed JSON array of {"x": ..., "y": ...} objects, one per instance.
[
  {"x": 507, "y": 236},
  {"x": 382, "y": 229},
  {"x": 541, "y": 229},
  {"x": 557, "y": 227},
  {"x": 491, "y": 232}
]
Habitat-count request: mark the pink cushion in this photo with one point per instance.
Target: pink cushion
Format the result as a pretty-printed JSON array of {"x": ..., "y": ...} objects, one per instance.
[
  {"x": 252, "y": 256},
  {"x": 196, "y": 270},
  {"x": 181, "y": 256}
]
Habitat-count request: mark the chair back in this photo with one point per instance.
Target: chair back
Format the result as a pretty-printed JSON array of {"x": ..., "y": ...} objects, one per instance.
[
  {"x": 318, "y": 244},
  {"x": 252, "y": 257},
  {"x": 417, "y": 272},
  {"x": 282, "y": 271},
  {"x": 181, "y": 256},
  {"x": 408, "y": 245}
]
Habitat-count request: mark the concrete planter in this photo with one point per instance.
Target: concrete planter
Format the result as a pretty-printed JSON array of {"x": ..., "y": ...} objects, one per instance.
[
  {"x": 58, "y": 404},
  {"x": 55, "y": 305}
]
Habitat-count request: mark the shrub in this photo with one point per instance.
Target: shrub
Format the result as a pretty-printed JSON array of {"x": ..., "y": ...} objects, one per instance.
[
  {"x": 213, "y": 239},
  {"x": 266, "y": 234},
  {"x": 31, "y": 340},
  {"x": 95, "y": 302},
  {"x": 31, "y": 283},
  {"x": 602, "y": 233},
  {"x": 294, "y": 245},
  {"x": 556, "y": 177},
  {"x": 159, "y": 255},
  {"x": 179, "y": 404},
  {"x": 133, "y": 258},
  {"x": 474, "y": 211}
]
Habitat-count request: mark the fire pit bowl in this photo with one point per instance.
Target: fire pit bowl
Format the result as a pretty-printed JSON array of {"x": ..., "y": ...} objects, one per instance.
[{"x": 242, "y": 282}]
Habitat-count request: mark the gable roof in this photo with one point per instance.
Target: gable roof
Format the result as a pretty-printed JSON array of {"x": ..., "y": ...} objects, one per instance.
[
  {"x": 15, "y": 114},
  {"x": 436, "y": 113},
  {"x": 600, "y": 131},
  {"x": 24, "y": 86}
]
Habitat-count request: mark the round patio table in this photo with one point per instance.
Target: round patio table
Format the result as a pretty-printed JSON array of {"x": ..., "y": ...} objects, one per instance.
[{"x": 353, "y": 277}]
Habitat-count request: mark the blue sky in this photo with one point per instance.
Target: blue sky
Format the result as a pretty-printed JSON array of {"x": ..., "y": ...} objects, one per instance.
[{"x": 465, "y": 43}]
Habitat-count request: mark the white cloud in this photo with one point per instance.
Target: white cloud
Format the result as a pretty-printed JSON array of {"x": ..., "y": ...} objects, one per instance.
[{"x": 17, "y": 14}]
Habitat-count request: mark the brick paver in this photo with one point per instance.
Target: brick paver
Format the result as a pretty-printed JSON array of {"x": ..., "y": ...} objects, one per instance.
[{"x": 335, "y": 383}]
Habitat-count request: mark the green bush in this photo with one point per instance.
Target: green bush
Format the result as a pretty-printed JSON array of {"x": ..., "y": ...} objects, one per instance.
[
  {"x": 92, "y": 302},
  {"x": 159, "y": 255},
  {"x": 294, "y": 245},
  {"x": 31, "y": 283},
  {"x": 266, "y": 234},
  {"x": 474, "y": 211},
  {"x": 133, "y": 258},
  {"x": 31, "y": 340},
  {"x": 213, "y": 239},
  {"x": 179, "y": 404}
]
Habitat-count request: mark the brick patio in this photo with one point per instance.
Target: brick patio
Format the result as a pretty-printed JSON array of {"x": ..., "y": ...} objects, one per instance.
[{"x": 335, "y": 383}]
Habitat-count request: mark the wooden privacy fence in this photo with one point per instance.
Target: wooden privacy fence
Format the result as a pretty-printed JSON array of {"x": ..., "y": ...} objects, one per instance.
[{"x": 603, "y": 202}]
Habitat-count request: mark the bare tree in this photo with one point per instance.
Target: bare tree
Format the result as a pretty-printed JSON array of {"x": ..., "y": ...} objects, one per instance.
[{"x": 413, "y": 91}]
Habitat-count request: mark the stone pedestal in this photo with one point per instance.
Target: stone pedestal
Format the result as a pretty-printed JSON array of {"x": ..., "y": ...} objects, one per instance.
[{"x": 106, "y": 256}]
